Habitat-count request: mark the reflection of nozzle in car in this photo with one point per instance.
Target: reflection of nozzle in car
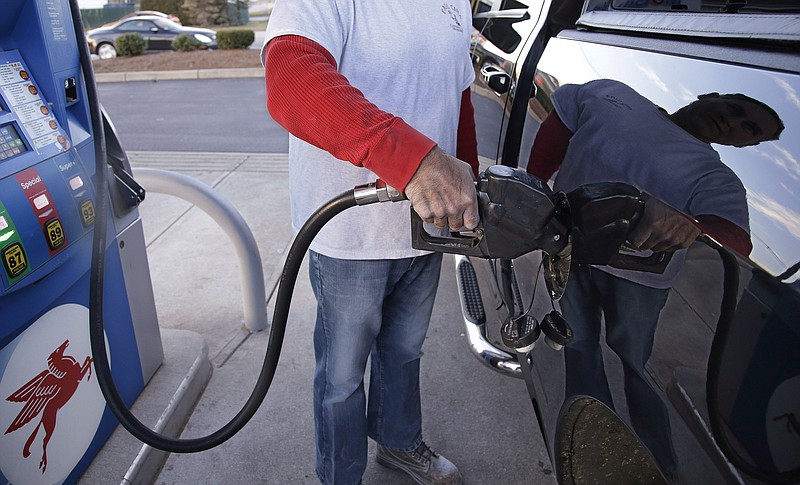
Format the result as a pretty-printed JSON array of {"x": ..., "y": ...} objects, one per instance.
[{"x": 602, "y": 215}]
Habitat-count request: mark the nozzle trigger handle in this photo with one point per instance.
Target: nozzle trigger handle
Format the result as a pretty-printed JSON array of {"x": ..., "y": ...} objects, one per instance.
[{"x": 455, "y": 243}]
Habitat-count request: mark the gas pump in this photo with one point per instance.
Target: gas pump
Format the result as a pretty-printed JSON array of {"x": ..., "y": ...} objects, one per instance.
[{"x": 53, "y": 418}]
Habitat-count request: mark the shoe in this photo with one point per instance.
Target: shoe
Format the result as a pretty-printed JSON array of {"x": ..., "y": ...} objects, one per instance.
[{"x": 424, "y": 465}]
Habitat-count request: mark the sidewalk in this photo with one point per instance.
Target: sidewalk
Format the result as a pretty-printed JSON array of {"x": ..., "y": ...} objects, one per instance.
[{"x": 113, "y": 77}]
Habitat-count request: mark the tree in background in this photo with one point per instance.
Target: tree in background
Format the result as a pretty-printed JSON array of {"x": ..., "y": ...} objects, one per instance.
[
  {"x": 206, "y": 12},
  {"x": 200, "y": 12}
]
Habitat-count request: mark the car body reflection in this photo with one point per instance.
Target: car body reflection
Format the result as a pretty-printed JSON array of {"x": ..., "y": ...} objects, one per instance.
[{"x": 670, "y": 82}]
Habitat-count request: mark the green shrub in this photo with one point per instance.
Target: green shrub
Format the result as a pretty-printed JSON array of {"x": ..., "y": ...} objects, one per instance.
[
  {"x": 235, "y": 38},
  {"x": 130, "y": 44},
  {"x": 185, "y": 43}
]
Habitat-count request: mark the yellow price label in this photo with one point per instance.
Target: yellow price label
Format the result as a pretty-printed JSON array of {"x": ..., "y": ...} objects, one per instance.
[
  {"x": 14, "y": 260},
  {"x": 54, "y": 233},
  {"x": 87, "y": 212}
]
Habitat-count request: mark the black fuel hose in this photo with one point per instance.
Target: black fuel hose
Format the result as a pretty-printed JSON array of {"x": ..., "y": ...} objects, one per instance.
[
  {"x": 96, "y": 285},
  {"x": 280, "y": 316},
  {"x": 279, "y": 319}
]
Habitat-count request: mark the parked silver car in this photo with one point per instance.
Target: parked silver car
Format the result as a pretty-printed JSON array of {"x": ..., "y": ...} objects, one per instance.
[{"x": 158, "y": 31}]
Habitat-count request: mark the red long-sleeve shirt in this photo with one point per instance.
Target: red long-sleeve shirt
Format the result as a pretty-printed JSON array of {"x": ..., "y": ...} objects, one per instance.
[
  {"x": 313, "y": 101},
  {"x": 550, "y": 147}
]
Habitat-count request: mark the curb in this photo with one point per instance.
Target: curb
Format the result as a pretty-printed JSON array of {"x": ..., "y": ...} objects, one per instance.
[
  {"x": 175, "y": 388},
  {"x": 115, "y": 77},
  {"x": 148, "y": 462}
]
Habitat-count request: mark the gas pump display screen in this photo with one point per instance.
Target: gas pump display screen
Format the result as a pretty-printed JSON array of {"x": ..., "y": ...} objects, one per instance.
[{"x": 11, "y": 143}]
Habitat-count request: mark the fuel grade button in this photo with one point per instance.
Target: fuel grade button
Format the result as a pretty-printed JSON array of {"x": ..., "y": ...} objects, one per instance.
[
  {"x": 54, "y": 233},
  {"x": 14, "y": 260},
  {"x": 87, "y": 212}
]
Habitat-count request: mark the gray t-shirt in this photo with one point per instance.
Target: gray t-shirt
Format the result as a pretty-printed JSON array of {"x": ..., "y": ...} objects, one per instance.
[
  {"x": 621, "y": 136},
  {"x": 410, "y": 59}
]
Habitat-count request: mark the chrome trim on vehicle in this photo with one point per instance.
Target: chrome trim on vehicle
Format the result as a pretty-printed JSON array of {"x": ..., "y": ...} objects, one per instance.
[{"x": 491, "y": 356}]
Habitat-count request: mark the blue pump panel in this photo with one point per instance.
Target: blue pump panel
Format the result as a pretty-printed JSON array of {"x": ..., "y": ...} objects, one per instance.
[
  {"x": 40, "y": 170},
  {"x": 53, "y": 419}
]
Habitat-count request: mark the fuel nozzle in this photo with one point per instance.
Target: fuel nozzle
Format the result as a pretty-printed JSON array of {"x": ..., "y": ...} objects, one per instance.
[
  {"x": 377, "y": 191},
  {"x": 517, "y": 216}
]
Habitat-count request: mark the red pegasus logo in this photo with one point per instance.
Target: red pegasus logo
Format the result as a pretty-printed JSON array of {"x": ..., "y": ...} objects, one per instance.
[{"x": 46, "y": 394}]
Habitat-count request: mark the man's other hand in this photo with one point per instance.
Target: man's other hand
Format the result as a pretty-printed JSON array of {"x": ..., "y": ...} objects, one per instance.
[
  {"x": 663, "y": 228},
  {"x": 442, "y": 191}
]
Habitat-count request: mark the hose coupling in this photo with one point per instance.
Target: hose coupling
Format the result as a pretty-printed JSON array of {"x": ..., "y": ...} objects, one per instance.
[{"x": 377, "y": 191}]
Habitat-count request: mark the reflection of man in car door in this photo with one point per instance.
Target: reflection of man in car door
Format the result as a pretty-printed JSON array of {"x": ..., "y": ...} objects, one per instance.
[{"x": 605, "y": 131}]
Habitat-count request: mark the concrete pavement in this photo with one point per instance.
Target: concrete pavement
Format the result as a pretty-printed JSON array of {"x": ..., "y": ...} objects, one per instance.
[
  {"x": 482, "y": 421},
  {"x": 114, "y": 77}
]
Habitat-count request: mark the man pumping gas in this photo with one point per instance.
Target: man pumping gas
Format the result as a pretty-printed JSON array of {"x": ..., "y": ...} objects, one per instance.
[{"x": 368, "y": 89}]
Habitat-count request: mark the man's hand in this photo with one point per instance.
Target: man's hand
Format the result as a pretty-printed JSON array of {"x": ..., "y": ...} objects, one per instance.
[
  {"x": 442, "y": 191},
  {"x": 663, "y": 228}
]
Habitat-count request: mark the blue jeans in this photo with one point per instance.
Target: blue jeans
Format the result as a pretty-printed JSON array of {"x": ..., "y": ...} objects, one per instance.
[
  {"x": 368, "y": 308},
  {"x": 631, "y": 314}
]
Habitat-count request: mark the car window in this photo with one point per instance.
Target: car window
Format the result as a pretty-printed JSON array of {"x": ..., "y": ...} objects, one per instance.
[
  {"x": 749, "y": 22},
  {"x": 503, "y": 37},
  {"x": 500, "y": 32},
  {"x": 136, "y": 26},
  {"x": 165, "y": 24}
]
